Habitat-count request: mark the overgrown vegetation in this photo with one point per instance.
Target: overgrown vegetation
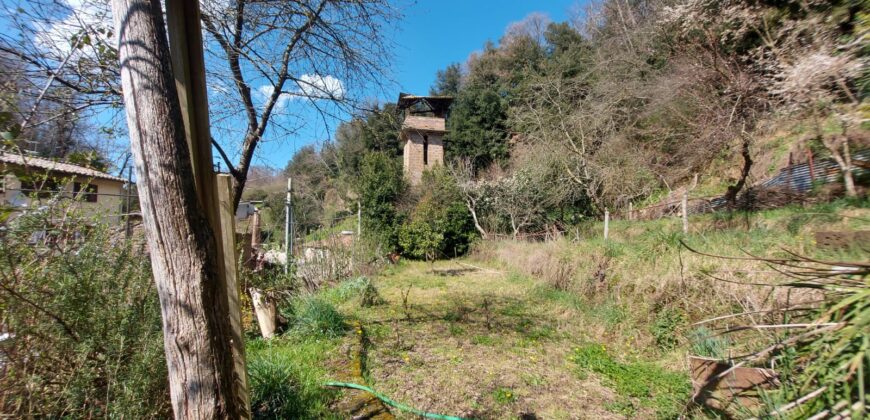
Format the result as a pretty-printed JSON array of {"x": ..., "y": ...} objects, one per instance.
[
  {"x": 82, "y": 328},
  {"x": 666, "y": 392}
]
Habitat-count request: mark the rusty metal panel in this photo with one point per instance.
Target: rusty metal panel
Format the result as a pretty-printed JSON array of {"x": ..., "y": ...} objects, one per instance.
[{"x": 738, "y": 388}]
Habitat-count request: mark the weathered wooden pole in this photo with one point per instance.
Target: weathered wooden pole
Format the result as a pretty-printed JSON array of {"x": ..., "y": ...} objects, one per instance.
[
  {"x": 685, "y": 207},
  {"x": 630, "y": 211},
  {"x": 255, "y": 230},
  {"x": 606, "y": 223},
  {"x": 234, "y": 288},
  {"x": 164, "y": 125},
  {"x": 288, "y": 226}
]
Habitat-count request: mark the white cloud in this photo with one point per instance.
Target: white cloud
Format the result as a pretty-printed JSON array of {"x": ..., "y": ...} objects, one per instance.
[
  {"x": 92, "y": 17},
  {"x": 308, "y": 86},
  {"x": 265, "y": 92},
  {"x": 317, "y": 86}
]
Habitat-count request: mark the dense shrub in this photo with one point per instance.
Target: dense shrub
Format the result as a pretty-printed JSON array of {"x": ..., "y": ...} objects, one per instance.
[
  {"x": 440, "y": 224},
  {"x": 380, "y": 186},
  {"x": 84, "y": 322}
]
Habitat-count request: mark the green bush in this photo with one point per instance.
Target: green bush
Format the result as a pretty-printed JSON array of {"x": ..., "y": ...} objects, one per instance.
[
  {"x": 84, "y": 319},
  {"x": 380, "y": 185},
  {"x": 667, "y": 322},
  {"x": 440, "y": 224}
]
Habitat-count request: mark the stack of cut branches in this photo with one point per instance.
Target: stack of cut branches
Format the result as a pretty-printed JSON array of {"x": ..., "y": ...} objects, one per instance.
[{"x": 820, "y": 346}]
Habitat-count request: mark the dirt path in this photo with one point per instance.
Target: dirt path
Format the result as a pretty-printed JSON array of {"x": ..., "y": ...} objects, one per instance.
[{"x": 478, "y": 343}]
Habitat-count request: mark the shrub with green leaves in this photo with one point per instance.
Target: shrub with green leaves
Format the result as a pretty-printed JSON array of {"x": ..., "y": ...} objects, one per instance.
[
  {"x": 440, "y": 224},
  {"x": 667, "y": 322},
  {"x": 83, "y": 319},
  {"x": 380, "y": 186}
]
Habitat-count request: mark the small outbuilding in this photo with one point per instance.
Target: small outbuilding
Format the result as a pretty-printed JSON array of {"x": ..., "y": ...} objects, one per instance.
[{"x": 423, "y": 130}]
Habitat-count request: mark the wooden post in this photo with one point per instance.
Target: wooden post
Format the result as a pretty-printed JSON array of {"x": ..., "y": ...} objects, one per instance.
[
  {"x": 358, "y": 219},
  {"x": 288, "y": 226},
  {"x": 128, "y": 226},
  {"x": 685, "y": 206},
  {"x": 255, "y": 231},
  {"x": 183, "y": 23},
  {"x": 606, "y": 223},
  {"x": 234, "y": 288},
  {"x": 630, "y": 211}
]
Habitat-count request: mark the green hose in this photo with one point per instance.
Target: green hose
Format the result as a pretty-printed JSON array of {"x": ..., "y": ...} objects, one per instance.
[{"x": 400, "y": 406}]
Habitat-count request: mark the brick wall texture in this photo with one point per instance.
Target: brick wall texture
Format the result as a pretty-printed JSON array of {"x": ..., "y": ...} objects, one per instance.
[{"x": 413, "y": 154}]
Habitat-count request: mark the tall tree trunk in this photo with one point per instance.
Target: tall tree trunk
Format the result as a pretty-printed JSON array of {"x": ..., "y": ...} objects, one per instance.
[{"x": 196, "y": 328}]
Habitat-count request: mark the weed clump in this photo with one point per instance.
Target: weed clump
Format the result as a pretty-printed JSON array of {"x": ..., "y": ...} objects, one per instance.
[
  {"x": 315, "y": 316},
  {"x": 664, "y": 391},
  {"x": 285, "y": 377},
  {"x": 706, "y": 344},
  {"x": 665, "y": 327},
  {"x": 369, "y": 295},
  {"x": 504, "y": 395}
]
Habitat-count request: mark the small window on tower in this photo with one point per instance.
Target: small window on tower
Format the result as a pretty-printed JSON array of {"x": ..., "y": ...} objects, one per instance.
[{"x": 425, "y": 150}]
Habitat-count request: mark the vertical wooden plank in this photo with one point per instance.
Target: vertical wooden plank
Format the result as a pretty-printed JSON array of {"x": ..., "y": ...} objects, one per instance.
[
  {"x": 227, "y": 238},
  {"x": 188, "y": 64}
]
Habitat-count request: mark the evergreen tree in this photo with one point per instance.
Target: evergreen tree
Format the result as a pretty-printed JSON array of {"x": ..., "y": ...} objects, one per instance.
[{"x": 447, "y": 81}]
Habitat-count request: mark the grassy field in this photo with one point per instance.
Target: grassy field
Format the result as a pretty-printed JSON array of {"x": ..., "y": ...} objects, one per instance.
[
  {"x": 455, "y": 339},
  {"x": 560, "y": 330}
]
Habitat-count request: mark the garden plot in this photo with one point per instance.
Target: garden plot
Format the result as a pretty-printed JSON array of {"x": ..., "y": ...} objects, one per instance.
[{"x": 479, "y": 343}]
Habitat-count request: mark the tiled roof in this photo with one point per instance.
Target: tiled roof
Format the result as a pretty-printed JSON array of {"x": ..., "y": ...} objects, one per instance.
[
  {"x": 423, "y": 123},
  {"x": 52, "y": 166}
]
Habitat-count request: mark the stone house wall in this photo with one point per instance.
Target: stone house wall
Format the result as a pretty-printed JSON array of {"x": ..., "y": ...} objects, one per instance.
[{"x": 414, "y": 164}]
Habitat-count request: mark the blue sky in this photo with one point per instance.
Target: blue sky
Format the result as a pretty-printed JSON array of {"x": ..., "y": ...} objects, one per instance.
[{"x": 432, "y": 35}]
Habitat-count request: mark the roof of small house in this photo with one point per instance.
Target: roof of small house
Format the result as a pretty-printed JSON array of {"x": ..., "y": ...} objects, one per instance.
[
  {"x": 53, "y": 166},
  {"x": 419, "y": 123}
]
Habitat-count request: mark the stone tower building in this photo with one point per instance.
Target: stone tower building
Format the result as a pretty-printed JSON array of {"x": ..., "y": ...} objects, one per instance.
[{"x": 423, "y": 132}]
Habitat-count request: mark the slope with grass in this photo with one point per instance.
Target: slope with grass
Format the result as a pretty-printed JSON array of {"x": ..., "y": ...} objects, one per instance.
[{"x": 567, "y": 329}]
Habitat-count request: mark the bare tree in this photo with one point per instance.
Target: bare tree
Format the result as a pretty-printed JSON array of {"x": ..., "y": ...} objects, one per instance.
[
  {"x": 282, "y": 57},
  {"x": 269, "y": 63},
  {"x": 463, "y": 171},
  {"x": 194, "y": 306}
]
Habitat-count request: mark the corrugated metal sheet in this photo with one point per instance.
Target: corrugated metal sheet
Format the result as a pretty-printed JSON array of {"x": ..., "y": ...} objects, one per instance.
[{"x": 799, "y": 179}]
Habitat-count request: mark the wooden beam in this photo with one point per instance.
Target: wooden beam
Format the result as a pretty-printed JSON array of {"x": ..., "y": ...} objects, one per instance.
[
  {"x": 188, "y": 65},
  {"x": 234, "y": 288}
]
